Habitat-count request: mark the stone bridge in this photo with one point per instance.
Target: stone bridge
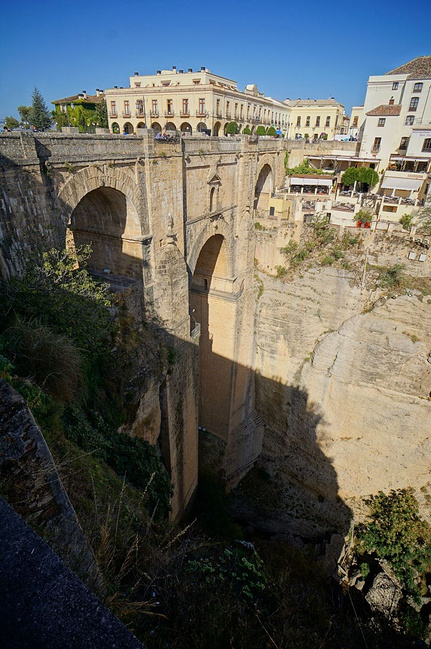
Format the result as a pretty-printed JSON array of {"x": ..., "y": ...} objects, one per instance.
[{"x": 174, "y": 219}]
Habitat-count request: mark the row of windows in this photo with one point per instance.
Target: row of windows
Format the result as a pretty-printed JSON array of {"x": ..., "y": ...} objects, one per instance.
[
  {"x": 308, "y": 119},
  {"x": 416, "y": 88},
  {"x": 403, "y": 144},
  {"x": 252, "y": 111},
  {"x": 425, "y": 147},
  {"x": 155, "y": 107}
]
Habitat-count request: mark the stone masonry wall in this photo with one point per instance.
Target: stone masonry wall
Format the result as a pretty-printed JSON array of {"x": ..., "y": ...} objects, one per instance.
[{"x": 32, "y": 485}]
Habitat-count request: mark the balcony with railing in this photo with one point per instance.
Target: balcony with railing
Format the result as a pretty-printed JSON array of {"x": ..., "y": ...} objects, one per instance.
[
  {"x": 127, "y": 114},
  {"x": 169, "y": 113},
  {"x": 154, "y": 113},
  {"x": 113, "y": 115},
  {"x": 184, "y": 113},
  {"x": 201, "y": 113},
  {"x": 139, "y": 113}
]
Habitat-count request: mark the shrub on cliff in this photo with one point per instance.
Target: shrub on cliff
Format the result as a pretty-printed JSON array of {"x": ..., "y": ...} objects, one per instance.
[
  {"x": 63, "y": 297},
  {"x": 50, "y": 360},
  {"x": 131, "y": 458},
  {"x": 395, "y": 532}
]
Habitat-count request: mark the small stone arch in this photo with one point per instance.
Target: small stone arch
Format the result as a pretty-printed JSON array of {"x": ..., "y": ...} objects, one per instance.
[
  {"x": 115, "y": 128},
  {"x": 156, "y": 127},
  {"x": 170, "y": 126},
  {"x": 201, "y": 127},
  {"x": 209, "y": 229},
  {"x": 263, "y": 187},
  {"x": 216, "y": 129},
  {"x": 128, "y": 128},
  {"x": 186, "y": 128},
  {"x": 141, "y": 125}
]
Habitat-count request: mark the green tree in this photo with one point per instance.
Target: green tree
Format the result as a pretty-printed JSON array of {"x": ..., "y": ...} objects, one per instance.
[
  {"x": 368, "y": 176},
  {"x": 60, "y": 119},
  {"x": 24, "y": 113},
  {"x": 350, "y": 176},
  {"x": 423, "y": 219},
  {"x": 406, "y": 221},
  {"x": 260, "y": 130},
  {"x": 232, "y": 128},
  {"x": 102, "y": 114},
  {"x": 11, "y": 123},
  {"x": 271, "y": 131},
  {"x": 39, "y": 116},
  {"x": 247, "y": 130}
]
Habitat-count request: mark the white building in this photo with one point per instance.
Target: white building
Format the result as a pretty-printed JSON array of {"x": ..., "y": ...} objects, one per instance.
[{"x": 395, "y": 130}]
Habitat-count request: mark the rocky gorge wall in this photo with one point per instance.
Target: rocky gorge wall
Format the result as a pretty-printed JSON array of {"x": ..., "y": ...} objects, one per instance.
[{"x": 343, "y": 386}]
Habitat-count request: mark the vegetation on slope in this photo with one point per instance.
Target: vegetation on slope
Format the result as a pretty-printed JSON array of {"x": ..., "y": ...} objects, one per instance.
[{"x": 203, "y": 586}]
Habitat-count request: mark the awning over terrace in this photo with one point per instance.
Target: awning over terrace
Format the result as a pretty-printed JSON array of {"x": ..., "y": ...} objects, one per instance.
[
  {"x": 339, "y": 158},
  {"x": 311, "y": 180},
  {"x": 409, "y": 184}
]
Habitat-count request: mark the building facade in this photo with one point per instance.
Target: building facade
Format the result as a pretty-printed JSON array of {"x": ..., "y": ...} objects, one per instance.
[
  {"x": 192, "y": 101},
  {"x": 397, "y": 115},
  {"x": 81, "y": 110},
  {"x": 315, "y": 118},
  {"x": 355, "y": 121}
]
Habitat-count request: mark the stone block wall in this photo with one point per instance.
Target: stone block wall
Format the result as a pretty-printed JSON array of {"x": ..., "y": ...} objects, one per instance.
[{"x": 31, "y": 484}]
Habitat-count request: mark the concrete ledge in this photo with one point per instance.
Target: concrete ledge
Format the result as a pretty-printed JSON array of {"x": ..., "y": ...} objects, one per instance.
[{"x": 43, "y": 605}]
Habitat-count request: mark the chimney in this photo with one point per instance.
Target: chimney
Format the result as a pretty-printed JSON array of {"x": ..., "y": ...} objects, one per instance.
[
  {"x": 180, "y": 71},
  {"x": 84, "y": 94},
  {"x": 174, "y": 68},
  {"x": 203, "y": 68},
  {"x": 159, "y": 72},
  {"x": 190, "y": 70},
  {"x": 136, "y": 74},
  {"x": 116, "y": 87}
]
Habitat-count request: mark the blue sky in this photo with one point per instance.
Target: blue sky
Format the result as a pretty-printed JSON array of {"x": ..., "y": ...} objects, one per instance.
[{"x": 289, "y": 49}]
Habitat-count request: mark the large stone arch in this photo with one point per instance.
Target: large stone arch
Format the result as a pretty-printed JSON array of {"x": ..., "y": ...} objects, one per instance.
[
  {"x": 213, "y": 310},
  {"x": 103, "y": 210}
]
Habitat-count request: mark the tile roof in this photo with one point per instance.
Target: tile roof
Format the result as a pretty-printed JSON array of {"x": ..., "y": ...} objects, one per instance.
[
  {"x": 90, "y": 99},
  {"x": 312, "y": 102},
  {"x": 385, "y": 110},
  {"x": 419, "y": 68}
]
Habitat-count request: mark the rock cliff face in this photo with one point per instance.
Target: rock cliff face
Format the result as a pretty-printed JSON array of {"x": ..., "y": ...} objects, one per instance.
[{"x": 344, "y": 390}]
